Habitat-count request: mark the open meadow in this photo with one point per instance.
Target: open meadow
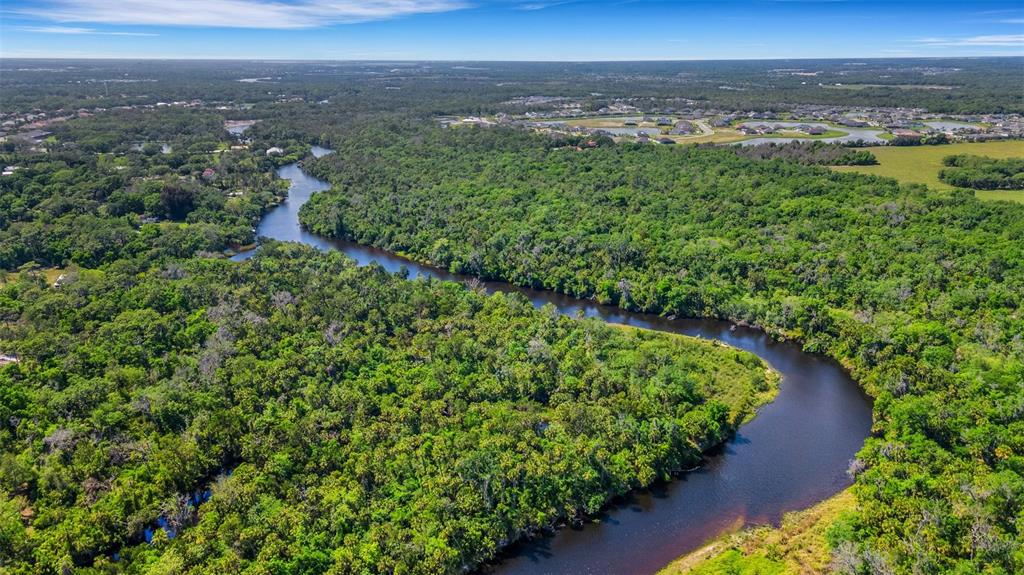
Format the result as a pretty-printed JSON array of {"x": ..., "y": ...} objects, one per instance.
[{"x": 921, "y": 164}]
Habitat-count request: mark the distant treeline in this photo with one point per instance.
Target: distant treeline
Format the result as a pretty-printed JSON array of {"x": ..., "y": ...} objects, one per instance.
[
  {"x": 983, "y": 173},
  {"x": 923, "y": 140},
  {"x": 809, "y": 152},
  {"x": 948, "y": 85}
]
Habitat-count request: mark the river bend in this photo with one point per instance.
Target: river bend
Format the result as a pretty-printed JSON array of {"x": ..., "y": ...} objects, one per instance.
[{"x": 792, "y": 455}]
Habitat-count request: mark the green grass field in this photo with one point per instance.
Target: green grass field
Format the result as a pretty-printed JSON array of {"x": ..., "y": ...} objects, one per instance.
[
  {"x": 832, "y": 133},
  {"x": 50, "y": 275},
  {"x": 921, "y": 164}
]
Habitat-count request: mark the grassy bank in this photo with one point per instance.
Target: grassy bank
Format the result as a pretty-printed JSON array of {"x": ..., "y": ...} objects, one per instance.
[{"x": 799, "y": 545}]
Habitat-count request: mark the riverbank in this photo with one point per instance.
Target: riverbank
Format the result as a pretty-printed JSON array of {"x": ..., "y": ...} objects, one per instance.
[{"x": 799, "y": 545}]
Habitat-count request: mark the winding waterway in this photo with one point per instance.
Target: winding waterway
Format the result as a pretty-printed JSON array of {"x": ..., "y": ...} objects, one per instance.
[{"x": 792, "y": 455}]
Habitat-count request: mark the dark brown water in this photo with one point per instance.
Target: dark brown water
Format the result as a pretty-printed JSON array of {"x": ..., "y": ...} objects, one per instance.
[{"x": 792, "y": 455}]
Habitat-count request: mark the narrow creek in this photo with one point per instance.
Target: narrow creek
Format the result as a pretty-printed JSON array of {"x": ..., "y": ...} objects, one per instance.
[{"x": 792, "y": 455}]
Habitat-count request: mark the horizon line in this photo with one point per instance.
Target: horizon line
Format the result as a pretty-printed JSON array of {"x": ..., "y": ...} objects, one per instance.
[{"x": 503, "y": 61}]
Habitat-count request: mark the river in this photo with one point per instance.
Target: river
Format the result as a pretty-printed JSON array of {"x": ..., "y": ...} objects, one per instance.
[{"x": 792, "y": 455}]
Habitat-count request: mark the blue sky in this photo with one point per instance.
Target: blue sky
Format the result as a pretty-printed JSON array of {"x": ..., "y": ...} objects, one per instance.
[{"x": 509, "y": 29}]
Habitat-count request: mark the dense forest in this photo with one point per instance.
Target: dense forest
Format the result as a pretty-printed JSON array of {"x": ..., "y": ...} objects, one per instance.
[
  {"x": 982, "y": 173},
  {"x": 811, "y": 152},
  {"x": 162, "y": 182},
  {"x": 327, "y": 416},
  {"x": 166, "y": 410},
  {"x": 919, "y": 293},
  {"x": 945, "y": 85}
]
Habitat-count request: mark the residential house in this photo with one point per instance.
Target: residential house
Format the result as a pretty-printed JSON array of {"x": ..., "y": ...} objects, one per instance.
[
  {"x": 682, "y": 128},
  {"x": 904, "y": 135}
]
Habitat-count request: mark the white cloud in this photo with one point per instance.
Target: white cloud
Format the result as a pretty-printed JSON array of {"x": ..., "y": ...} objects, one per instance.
[
  {"x": 1003, "y": 11},
  {"x": 1007, "y": 40},
  {"x": 76, "y": 30},
  {"x": 532, "y": 6},
  {"x": 232, "y": 13}
]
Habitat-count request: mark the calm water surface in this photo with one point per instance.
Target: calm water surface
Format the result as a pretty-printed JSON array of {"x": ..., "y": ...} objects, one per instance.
[
  {"x": 951, "y": 125},
  {"x": 792, "y": 455},
  {"x": 869, "y": 135}
]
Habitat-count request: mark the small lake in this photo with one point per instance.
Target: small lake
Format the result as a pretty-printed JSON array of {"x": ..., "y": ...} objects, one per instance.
[
  {"x": 617, "y": 130},
  {"x": 164, "y": 148},
  {"x": 237, "y": 129},
  {"x": 792, "y": 455},
  {"x": 951, "y": 125},
  {"x": 870, "y": 135}
]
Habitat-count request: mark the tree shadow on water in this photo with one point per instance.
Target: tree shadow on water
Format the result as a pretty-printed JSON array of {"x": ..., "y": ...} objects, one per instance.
[{"x": 729, "y": 447}]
